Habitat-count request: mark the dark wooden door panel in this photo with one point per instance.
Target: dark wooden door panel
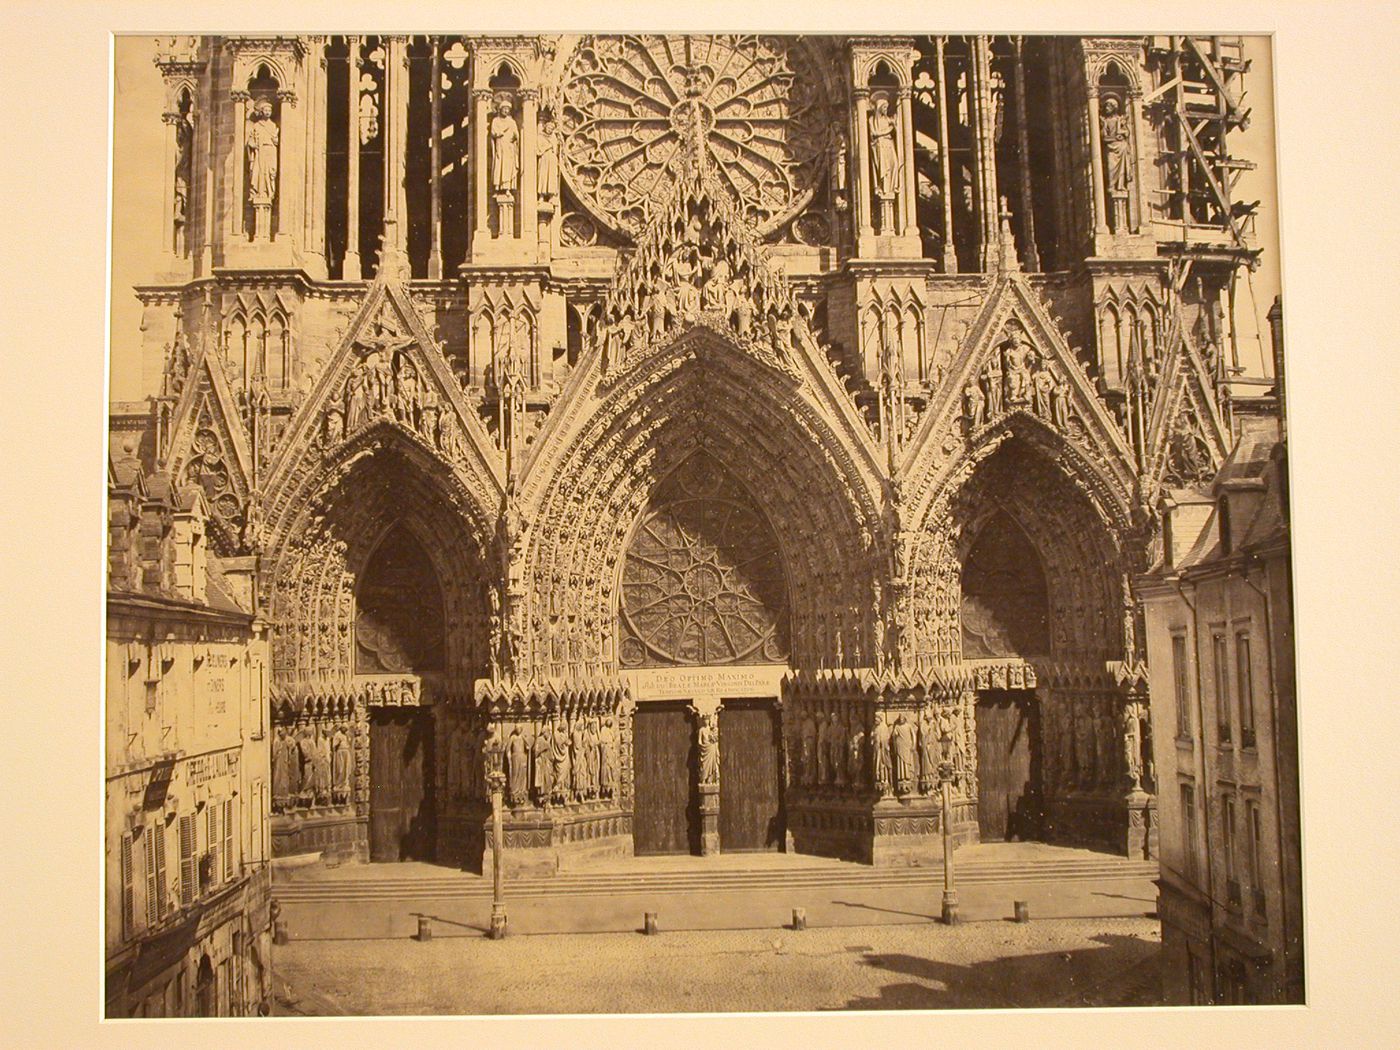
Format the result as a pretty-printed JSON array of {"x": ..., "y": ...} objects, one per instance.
[
  {"x": 401, "y": 819},
  {"x": 1008, "y": 802},
  {"x": 750, "y": 795},
  {"x": 661, "y": 755}
]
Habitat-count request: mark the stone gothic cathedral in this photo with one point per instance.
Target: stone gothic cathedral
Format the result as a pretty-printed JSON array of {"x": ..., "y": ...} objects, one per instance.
[{"x": 712, "y": 442}]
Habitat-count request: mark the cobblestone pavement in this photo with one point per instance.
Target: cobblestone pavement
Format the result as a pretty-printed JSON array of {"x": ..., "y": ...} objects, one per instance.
[{"x": 1046, "y": 963}]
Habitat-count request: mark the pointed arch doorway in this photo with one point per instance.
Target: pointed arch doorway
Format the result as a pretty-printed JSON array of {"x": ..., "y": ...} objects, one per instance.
[
  {"x": 704, "y": 603},
  {"x": 399, "y": 630},
  {"x": 1005, "y": 613}
]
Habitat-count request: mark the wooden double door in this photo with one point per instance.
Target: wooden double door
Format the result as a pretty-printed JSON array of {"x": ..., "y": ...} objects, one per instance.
[
  {"x": 401, "y": 815},
  {"x": 1009, "y": 803},
  {"x": 666, "y": 814}
]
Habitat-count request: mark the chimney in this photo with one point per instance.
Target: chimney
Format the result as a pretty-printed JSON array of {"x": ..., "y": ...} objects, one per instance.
[{"x": 1276, "y": 335}]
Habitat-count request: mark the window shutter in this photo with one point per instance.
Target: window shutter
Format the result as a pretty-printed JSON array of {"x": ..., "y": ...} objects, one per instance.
[
  {"x": 213, "y": 840},
  {"x": 128, "y": 889},
  {"x": 152, "y": 897},
  {"x": 228, "y": 839},
  {"x": 158, "y": 884},
  {"x": 187, "y": 868}
]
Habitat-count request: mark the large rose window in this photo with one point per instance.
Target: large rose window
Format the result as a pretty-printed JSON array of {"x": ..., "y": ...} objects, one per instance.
[
  {"x": 703, "y": 581},
  {"x": 632, "y": 105}
]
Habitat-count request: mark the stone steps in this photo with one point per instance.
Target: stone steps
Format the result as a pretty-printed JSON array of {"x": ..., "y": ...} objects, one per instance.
[{"x": 465, "y": 886}]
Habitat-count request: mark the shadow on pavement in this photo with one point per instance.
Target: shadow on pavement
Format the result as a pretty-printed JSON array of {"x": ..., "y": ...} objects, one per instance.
[
  {"x": 1120, "y": 973},
  {"x": 888, "y": 911}
]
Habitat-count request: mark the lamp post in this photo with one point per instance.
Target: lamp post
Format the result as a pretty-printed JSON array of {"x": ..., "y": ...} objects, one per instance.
[
  {"x": 496, "y": 780},
  {"x": 950, "y": 891}
]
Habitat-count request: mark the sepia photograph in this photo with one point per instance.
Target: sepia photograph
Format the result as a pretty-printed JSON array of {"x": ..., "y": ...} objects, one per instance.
[{"x": 697, "y": 522}]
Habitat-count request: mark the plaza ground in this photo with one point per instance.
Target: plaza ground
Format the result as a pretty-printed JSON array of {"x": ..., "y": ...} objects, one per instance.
[{"x": 726, "y": 942}]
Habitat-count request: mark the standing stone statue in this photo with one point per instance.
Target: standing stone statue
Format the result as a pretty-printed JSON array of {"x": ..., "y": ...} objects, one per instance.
[
  {"x": 577, "y": 762},
  {"x": 1117, "y": 165},
  {"x": 559, "y": 760},
  {"x": 1132, "y": 745},
  {"x": 823, "y": 752},
  {"x": 855, "y": 753},
  {"x": 836, "y": 747},
  {"x": 928, "y": 752},
  {"x": 1042, "y": 388},
  {"x": 904, "y": 755},
  {"x": 991, "y": 380},
  {"x": 547, "y": 165},
  {"x": 884, "y": 160},
  {"x": 608, "y": 759},
  {"x": 517, "y": 756},
  {"x": 283, "y": 757},
  {"x": 707, "y": 737},
  {"x": 321, "y": 766},
  {"x": 262, "y": 141},
  {"x": 505, "y": 146},
  {"x": 591, "y": 755},
  {"x": 541, "y": 751},
  {"x": 974, "y": 405},
  {"x": 808, "y": 751},
  {"x": 341, "y": 766},
  {"x": 881, "y": 743}
]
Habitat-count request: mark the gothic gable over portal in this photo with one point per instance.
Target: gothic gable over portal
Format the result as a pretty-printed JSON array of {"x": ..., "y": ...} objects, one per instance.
[
  {"x": 1016, "y": 374},
  {"x": 208, "y": 446},
  {"x": 697, "y": 264},
  {"x": 386, "y": 374},
  {"x": 1186, "y": 439}
]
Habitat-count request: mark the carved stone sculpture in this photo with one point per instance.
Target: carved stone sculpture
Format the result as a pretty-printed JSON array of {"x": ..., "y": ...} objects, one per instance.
[
  {"x": 928, "y": 752},
  {"x": 836, "y": 747},
  {"x": 505, "y": 145},
  {"x": 1117, "y": 166},
  {"x": 517, "y": 767},
  {"x": 884, "y": 161},
  {"x": 321, "y": 766},
  {"x": 855, "y": 754},
  {"x": 823, "y": 752},
  {"x": 905, "y": 758},
  {"x": 547, "y": 165},
  {"x": 559, "y": 761},
  {"x": 342, "y": 780},
  {"x": 262, "y": 142},
  {"x": 1132, "y": 745},
  {"x": 707, "y": 737},
  {"x": 577, "y": 762},
  {"x": 542, "y": 753},
  {"x": 284, "y": 757},
  {"x": 608, "y": 755},
  {"x": 807, "y": 753},
  {"x": 880, "y": 742}
]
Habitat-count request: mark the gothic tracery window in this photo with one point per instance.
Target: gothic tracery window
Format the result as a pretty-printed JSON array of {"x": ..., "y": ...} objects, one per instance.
[
  {"x": 631, "y": 103},
  {"x": 703, "y": 580}
]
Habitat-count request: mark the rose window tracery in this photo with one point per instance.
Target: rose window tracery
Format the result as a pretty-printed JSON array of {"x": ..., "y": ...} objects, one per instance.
[
  {"x": 702, "y": 582},
  {"x": 633, "y": 106}
]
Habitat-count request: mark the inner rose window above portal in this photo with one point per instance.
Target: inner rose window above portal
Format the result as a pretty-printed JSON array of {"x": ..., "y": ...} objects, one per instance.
[{"x": 703, "y": 580}]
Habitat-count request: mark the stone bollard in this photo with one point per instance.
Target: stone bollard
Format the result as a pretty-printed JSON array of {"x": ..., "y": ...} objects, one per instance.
[
  {"x": 799, "y": 918},
  {"x": 1023, "y": 911},
  {"x": 425, "y": 928},
  {"x": 649, "y": 923}
]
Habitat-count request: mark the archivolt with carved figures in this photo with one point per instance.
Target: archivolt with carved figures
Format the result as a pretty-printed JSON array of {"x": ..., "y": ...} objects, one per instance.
[
  {"x": 383, "y": 483},
  {"x": 753, "y": 425}
]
